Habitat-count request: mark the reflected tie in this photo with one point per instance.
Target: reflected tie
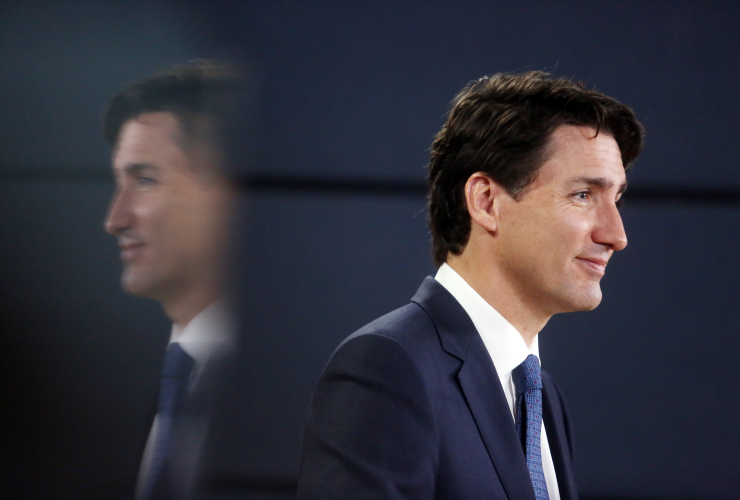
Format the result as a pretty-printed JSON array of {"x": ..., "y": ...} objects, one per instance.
[
  {"x": 175, "y": 375},
  {"x": 528, "y": 382}
]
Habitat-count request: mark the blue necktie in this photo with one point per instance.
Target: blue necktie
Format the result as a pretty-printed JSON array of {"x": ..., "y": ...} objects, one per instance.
[
  {"x": 528, "y": 383},
  {"x": 173, "y": 393}
]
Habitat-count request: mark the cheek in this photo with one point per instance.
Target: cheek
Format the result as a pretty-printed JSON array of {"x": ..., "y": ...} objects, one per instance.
[
  {"x": 161, "y": 224},
  {"x": 560, "y": 240},
  {"x": 581, "y": 229},
  {"x": 572, "y": 227},
  {"x": 153, "y": 216},
  {"x": 194, "y": 225}
]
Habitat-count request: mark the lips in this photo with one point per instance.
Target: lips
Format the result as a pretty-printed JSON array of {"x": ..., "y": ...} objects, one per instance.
[
  {"x": 130, "y": 250},
  {"x": 594, "y": 264}
]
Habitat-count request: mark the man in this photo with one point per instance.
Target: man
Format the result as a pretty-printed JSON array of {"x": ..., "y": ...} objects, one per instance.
[
  {"x": 444, "y": 398},
  {"x": 170, "y": 213}
]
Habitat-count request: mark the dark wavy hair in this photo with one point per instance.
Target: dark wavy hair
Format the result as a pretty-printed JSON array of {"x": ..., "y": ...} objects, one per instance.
[{"x": 501, "y": 126}]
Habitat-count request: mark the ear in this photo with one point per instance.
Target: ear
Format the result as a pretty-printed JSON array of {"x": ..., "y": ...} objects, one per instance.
[{"x": 483, "y": 199}]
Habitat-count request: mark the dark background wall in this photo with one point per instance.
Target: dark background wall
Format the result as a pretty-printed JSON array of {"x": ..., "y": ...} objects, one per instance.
[{"x": 350, "y": 96}]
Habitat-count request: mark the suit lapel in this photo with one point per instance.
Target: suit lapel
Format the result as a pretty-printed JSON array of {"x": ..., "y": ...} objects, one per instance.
[
  {"x": 488, "y": 404},
  {"x": 558, "y": 435},
  {"x": 479, "y": 382}
]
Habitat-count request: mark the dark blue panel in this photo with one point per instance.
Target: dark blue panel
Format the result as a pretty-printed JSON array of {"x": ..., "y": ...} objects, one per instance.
[
  {"x": 360, "y": 88},
  {"x": 61, "y": 63}
]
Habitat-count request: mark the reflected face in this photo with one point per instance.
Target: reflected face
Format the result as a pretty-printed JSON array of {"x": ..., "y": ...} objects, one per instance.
[
  {"x": 168, "y": 217},
  {"x": 558, "y": 238}
]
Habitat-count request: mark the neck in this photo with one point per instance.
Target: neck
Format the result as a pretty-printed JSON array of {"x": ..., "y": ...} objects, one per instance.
[
  {"x": 182, "y": 309},
  {"x": 490, "y": 282}
]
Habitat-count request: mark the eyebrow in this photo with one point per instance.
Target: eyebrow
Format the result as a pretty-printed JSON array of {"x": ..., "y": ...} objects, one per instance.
[
  {"x": 601, "y": 182},
  {"x": 137, "y": 168}
]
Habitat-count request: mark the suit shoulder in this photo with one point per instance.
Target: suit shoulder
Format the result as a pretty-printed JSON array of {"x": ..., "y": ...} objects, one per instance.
[
  {"x": 407, "y": 325},
  {"x": 371, "y": 424}
]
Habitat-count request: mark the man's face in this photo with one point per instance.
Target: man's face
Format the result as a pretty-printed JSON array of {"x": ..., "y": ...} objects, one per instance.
[
  {"x": 557, "y": 239},
  {"x": 169, "y": 218}
]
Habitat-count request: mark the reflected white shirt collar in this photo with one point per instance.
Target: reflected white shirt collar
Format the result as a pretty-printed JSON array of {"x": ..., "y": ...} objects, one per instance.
[{"x": 210, "y": 332}]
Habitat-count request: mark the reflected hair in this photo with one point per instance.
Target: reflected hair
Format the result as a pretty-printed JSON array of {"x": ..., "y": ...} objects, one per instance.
[{"x": 199, "y": 93}]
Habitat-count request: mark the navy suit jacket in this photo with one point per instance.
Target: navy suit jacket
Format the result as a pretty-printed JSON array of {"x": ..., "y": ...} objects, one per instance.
[{"x": 410, "y": 407}]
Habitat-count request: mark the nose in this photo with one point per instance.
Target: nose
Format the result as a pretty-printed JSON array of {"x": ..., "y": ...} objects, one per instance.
[
  {"x": 609, "y": 230},
  {"x": 119, "y": 215}
]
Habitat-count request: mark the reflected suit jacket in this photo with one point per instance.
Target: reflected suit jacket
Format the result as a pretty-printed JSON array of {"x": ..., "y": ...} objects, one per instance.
[
  {"x": 194, "y": 449},
  {"x": 411, "y": 407}
]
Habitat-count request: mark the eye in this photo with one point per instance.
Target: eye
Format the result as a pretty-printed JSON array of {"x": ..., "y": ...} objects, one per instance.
[
  {"x": 620, "y": 202},
  {"x": 582, "y": 195},
  {"x": 146, "y": 181}
]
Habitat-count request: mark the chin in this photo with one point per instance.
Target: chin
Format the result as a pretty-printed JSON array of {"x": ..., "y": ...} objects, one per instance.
[
  {"x": 581, "y": 299},
  {"x": 134, "y": 284},
  {"x": 588, "y": 302}
]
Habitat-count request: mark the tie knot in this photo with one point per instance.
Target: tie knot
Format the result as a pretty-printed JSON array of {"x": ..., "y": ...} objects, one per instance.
[
  {"x": 527, "y": 376},
  {"x": 177, "y": 363}
]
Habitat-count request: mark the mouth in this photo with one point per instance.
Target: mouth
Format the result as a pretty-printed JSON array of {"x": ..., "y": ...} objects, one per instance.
[
  {"x": 595, "y": 265},
  {"x": 130, "y": 250}
]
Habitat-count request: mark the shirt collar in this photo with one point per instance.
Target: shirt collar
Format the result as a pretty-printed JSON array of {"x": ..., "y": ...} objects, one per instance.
[
  {"x": 503, "y": 342},
  {"x": 210, "y": 332}
]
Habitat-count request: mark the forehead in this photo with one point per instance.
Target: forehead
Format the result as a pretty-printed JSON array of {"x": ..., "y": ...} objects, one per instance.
[
  {"x": 149, "y": 138},
  {"x": 576, "y": 151}
]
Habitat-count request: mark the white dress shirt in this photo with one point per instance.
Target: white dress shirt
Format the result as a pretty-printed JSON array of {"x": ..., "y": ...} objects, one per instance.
[
  {"x": 507, "y": 350},
  {"x": 208, "y": 335}
]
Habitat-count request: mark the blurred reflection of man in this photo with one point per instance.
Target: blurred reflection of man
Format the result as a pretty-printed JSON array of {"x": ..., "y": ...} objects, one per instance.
[
  {"x": 170, "y": 214},
  {"x": 444, "y": 398}
]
